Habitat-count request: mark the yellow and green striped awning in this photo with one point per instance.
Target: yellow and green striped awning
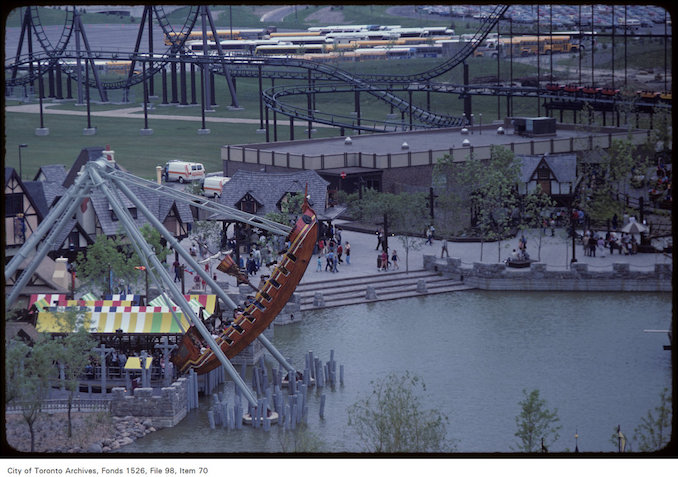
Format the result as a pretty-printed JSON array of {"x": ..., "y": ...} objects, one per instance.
[
  {"x": 129, "y": 319},
  {"x": 134, "y": 363}
]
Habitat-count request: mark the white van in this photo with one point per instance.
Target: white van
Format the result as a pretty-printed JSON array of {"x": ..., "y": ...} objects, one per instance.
[
  {"x": 182, "y": 171},
  {"x": 213, "y": 185}
]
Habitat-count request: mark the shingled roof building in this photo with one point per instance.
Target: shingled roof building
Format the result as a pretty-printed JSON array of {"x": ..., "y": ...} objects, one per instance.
[
  {"x": 554, "y": 173},
  {"x": 95, "y": 215},
  {"x": 262, "y": 192}
]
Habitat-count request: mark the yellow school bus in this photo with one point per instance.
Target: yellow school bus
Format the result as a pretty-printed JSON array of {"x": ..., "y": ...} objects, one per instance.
[{"x": 531, "y": 45}]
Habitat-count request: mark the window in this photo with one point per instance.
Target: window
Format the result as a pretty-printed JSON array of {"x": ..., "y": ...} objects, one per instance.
[{"x": 13, "y": 204}]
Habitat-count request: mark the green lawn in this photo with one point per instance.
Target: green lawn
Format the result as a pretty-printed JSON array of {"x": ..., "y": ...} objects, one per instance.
[{"x": 178, "y": 139}]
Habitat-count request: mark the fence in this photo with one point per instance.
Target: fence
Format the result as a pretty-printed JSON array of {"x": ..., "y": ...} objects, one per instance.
[
  {"x": 409, "y": 158},
  {"x": 61, "y": 405}
]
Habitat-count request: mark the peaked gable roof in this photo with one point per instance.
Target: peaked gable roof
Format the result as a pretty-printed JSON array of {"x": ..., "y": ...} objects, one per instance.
[
  {"x": 55, "y": 173},
  {"x": 32, "y": 193},
  {"x": 563, "y": 166},
  {"x": 268, "y": 188},
  {"x": 157, "y": 204}
]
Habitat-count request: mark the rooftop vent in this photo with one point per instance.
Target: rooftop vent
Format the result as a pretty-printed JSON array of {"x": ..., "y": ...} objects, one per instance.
[
  {"x": 404, "y": 145},
  {"x": 500, "y": 130},
  {"x": 348, "y": 141},
  {"x": 464, "y": 130},
  {"x": 466, "y": 143}
]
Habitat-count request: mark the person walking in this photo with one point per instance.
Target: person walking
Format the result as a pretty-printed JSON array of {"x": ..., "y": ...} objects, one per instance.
[
  {"x": 319, "y": 263},
  {"x": 429, "y": 235},
  {"x": 329, "y": 261},
  {"x": 394, "y": 259},
  {"x": 444, "y": 251},
  {"x": 335, "y": 263},
  {"x": 384, "y": 260},
  {"x": 340, "y": 252},
  {"x": 348, "y": 253},
  {"x": 177, "y": 270}
]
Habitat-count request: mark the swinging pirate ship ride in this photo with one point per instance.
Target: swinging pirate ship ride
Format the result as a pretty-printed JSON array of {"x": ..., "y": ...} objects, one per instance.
[{"x": 269, "y": 300}]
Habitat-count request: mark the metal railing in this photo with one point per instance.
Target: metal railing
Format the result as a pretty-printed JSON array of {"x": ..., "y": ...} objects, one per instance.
[{"x": 58, "y": 405}]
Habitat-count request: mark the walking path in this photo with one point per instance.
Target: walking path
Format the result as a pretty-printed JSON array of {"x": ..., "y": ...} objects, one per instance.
[
  {"x": 136, "y": 112},
  {"x": 555, "y": 252}
]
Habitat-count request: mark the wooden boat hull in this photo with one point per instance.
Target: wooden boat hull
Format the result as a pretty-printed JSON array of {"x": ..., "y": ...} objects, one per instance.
[{"x": 268, "y": 302}]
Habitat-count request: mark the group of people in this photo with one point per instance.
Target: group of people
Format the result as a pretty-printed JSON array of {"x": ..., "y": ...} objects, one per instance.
[
  {"x": 383, "y": 262},
  {"x": 627, "y": 244},
  {"x": 333, "y": 252},
  {"x": 521, "y": 253}
]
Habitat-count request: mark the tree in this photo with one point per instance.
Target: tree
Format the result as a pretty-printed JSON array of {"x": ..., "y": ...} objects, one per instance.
[
  {"x": 116, "y": 257},
  {"x": 537, "y": 425},
  {"x": 207, "y": 233},
  {"x": 103, "y": 257},
  {"x": 393, "y": 418},
  {"x": 654, "y": 431},
  {"x": 301, "y": 439},
  {"x": 488, "y": 189},
  {"x": 74, "y": 351},
  {"x": 534, "y": 204},
  {"x": 28, "y": 371},
  {"x": 405, "y": 214}
]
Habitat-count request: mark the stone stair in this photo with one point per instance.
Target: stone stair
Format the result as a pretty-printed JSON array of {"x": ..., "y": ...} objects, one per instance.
[{"x": 337, "y": 291}]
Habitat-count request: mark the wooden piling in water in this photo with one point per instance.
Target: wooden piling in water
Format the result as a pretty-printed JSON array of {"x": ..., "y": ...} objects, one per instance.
[{"x": 322, "y": 406}]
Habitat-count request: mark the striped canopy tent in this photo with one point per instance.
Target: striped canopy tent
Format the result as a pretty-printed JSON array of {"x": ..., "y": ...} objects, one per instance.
[
  {"x": 193, "y": 303},
  {"x": 207, "y": 301},
  {"x": 129, "y": 319},
  {"x": 133, "y": 363},
  {"x": 42, "y": 304},
  {"x": 135, "y": 299},
  {"x": 58, "y": 299}
]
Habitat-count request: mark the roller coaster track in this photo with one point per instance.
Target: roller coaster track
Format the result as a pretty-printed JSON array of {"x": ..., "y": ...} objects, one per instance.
[
  {"x": 58, "y": 53},
  {"x": 383, "y": 87},
  {"x": 367, "y": 83}
]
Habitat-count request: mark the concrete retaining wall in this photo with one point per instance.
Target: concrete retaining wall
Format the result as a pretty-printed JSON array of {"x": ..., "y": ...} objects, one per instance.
[
  {"x": 497, "y": 276},
  {"x": 165, "y": 410}
]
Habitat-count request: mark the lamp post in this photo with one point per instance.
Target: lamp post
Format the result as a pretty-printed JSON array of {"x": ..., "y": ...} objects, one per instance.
[{"x": 21, "y": 146}]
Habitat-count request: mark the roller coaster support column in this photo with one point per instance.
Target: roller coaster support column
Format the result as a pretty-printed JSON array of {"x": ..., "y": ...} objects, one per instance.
[
  {"x": 173, "y": 80},
  {"x": 356, "y": 106},
  {"x": 206, "y": 88},
  {"x": 275, "y": 126},
  {"x": 227, "y": 74},
  {"x": 163, "y": 77},
  {"x": 409, "y": 106},
  {"x": 291, "y": 128},
  {"x": 41, "y": 93},
  {"x": 194, "y": 96},
  {"x": 261, "y": 102},
  {"x": 151, "y": 87},
  {"x": 468, "y": 107},
  {"x": 176, "y": 296},
  {"x": 309, "y": 108},
  {"x": 80, "y": 30},
  {"x": 182, "y": 81},
  {"x": 59, "y": 84}
]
